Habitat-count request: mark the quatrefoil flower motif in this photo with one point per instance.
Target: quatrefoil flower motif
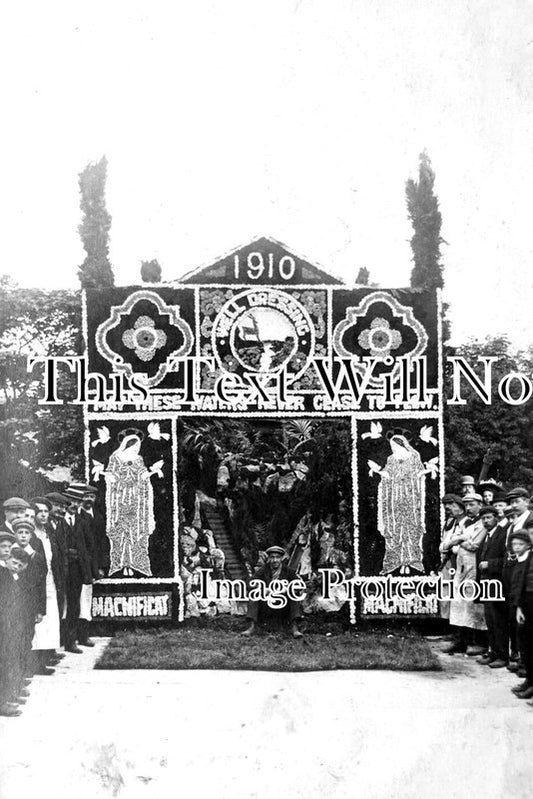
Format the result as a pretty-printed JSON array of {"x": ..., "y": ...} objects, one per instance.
[
  {"x": 380, "y": 338},
  {"x": 144, "y": 338}
]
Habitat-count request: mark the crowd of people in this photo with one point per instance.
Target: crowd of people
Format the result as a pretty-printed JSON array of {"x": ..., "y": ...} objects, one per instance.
[
  {"x": 488, "y": 535},
  {"x": 49, "y": 559}
]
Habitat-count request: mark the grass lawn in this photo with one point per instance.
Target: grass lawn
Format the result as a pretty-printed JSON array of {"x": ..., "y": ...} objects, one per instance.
[{"x": 219, "y": 646}]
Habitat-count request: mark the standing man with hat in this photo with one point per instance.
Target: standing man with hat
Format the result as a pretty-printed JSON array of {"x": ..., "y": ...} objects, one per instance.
[
  {"x": 491, "y": 557},
  {"x": 79, "y": 573},
  {"x": 466, "y": 615},
  {"x": 468, "y": 485},
  {"x": 14, "y": 508},
  {"x": 274, "y": 569},
  {"x": 87, "y": 522}
]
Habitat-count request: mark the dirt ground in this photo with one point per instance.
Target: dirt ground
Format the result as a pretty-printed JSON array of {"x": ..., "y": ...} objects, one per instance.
[{"x": 253, "y": 735}]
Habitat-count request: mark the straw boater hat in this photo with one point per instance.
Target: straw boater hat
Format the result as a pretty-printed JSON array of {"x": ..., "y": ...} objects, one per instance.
[{"x": 473, "y": 498}]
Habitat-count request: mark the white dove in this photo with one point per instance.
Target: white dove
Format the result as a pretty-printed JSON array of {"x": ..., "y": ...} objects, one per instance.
[
  {"x": 154, "y": 431},
  {"x": 426, "y": 434},
  {"x": 432, "y": 466},
  {"x": 97, "y": 470},
  {"x": 103, "y": 436},
  {"x": 374, "y": 468},
  {"x": 375, "y": 430},
  {"x": 156, "y": 468}
]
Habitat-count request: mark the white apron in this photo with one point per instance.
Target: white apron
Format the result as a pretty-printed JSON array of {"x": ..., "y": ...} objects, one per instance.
[
  {"x": 47, "y": 631},
  {"x": 86, "y": 601}
]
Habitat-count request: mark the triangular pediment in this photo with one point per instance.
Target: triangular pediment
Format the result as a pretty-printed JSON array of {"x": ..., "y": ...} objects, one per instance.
[{"x": 263, "y": 262}]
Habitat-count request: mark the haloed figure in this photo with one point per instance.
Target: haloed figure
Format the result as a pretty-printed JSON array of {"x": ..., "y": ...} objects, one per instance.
[
  {"x": 401, "y": 503},
  {"x": 129, "y": 505}
]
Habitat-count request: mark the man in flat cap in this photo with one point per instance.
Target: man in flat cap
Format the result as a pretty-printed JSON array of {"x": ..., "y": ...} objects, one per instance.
[
  {"x": 491, "y": 557},
  {"x": 14, "y": 508},
  {"x": 274, "y": 570},
  {"x": 466, "y": 616}
]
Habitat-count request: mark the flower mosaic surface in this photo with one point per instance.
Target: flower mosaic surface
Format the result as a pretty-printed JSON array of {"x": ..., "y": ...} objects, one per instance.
[
  {"x": 144, "y": 338},
  {"x": 379, "y": 327},
  {"x": 380, "y": 338}
]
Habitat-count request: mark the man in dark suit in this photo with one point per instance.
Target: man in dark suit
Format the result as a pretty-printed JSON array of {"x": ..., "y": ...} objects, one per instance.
[
  {"x": 490, "y": 559},
  {"x": 70, "y": 528},
  {"x": 274, "y": 570}
]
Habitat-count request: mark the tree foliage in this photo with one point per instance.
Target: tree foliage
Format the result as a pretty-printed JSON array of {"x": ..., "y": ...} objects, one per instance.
[
  {"x": 39, "y": 445},
  {"x": 151, "y": 271},
  {"x": 96, "y": 269},
  {"x": 501, "y": 432},
  {"x": 423, "y": 210}
]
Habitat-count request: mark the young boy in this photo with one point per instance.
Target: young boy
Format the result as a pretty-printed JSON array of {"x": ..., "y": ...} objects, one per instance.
[
  {"x": 522, "y": 600},
  {"x": 12, "y": 628},
  {"x": 32, "y": 586}
]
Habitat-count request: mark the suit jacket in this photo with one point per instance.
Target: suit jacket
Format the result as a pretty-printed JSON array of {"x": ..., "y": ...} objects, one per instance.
[
  {"x": 75, "y": 547},
  {"x": 92, "y": 531},
  {"x": 33, "y": 586},
  {"x": 518, "y": 582},
  {"x": 494, "y": 551}
]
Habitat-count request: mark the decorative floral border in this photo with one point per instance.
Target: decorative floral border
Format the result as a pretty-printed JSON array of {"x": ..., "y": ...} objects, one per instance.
[
  {"x": 354, "y": 312},
  {"x": 172, "y": 311}
]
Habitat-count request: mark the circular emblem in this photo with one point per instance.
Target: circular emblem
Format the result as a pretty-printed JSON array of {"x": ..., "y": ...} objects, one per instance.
[{"x": 263, "y": 331}]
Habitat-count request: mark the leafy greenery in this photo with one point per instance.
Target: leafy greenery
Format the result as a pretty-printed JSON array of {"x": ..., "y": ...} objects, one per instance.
[
  {"x": 501, "y": 432},
  {"x": 96, "y": 269},
  {"x": 35, "y": 440}
]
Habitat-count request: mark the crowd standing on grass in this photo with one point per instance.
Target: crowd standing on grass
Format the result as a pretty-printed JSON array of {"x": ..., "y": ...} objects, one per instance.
[
  {"x": 488, "y": 535},
  {"x": 49, "y": 559}
]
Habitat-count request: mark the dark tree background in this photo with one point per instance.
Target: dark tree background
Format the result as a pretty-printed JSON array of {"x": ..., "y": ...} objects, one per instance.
[
  {"x": 426, "y": 219},
  {"x": 499, "y": 432},
  {"x": 94, "y": 229}
]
